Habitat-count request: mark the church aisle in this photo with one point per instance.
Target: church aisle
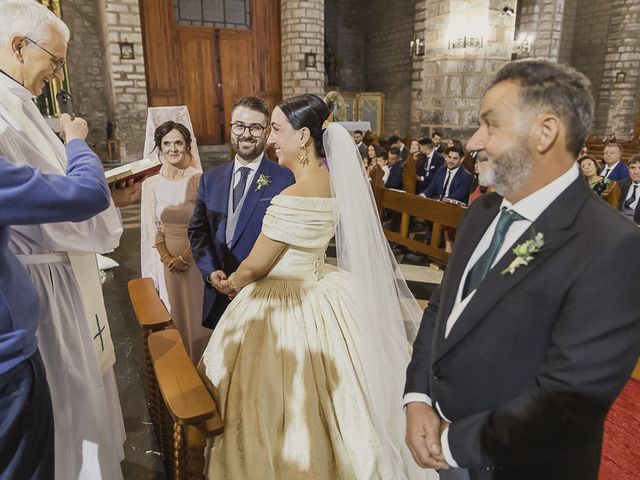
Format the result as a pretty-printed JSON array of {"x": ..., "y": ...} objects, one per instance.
[{"x": 142, "y": 458}]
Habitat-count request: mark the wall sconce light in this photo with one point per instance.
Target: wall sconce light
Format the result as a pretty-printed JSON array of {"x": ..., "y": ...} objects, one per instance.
[
  {"x": 126, "y": 50},
  {"x": 464, "y": 42},
  {"x": 507, "y": 12},
  {"x": 309, "y": 60},
  {"x": 523, "y": 45},
  {"x": 621, "y": 77},
  {"x": 416, "y": 47}
]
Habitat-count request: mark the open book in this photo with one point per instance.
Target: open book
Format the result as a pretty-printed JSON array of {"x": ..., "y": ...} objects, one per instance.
[{"x": 134, "y": 170}]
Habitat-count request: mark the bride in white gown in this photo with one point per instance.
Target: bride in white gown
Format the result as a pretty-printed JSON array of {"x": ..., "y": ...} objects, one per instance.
[{"x": 307, "y": 365}]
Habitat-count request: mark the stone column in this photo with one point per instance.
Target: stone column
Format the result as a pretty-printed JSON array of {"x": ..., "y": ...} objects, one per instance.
[
  {"x": 85, "y": 66},
  {"x": 447, "y": 97},
  {"x": 302, "y": 32},
  {"x": 542, "y": 19},
  {"x": 620, "y": 85},
  {"x": 127, "y": 98}
]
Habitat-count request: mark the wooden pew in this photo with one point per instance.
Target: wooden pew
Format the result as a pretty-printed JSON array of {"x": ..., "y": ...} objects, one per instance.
[
  {"x": 440, "y": 213},
  {"x": 181, "y": 408}
]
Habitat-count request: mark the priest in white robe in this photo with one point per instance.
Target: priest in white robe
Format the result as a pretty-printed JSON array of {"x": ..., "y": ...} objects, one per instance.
[{"x": 73, "y": 336}]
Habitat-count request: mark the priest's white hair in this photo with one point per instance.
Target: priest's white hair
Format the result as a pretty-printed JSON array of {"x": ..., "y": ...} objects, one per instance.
[{"x": 29, "y": 18}]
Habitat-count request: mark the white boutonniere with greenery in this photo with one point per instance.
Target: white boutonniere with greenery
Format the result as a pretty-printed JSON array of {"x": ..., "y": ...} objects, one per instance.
[
  {"x": 524, "y": 252},
  {"x": 263, "y": 181}
]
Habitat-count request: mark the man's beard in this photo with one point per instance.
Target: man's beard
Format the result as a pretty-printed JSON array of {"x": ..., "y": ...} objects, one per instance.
[
  {"x": 507, "y": 172},
  {"x": 252, "y": 153}
]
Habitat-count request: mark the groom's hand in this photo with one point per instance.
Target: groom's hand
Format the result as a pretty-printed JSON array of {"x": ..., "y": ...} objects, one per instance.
[
  {"x": 423, "y": 436},
  {"x": 219, "y": 281}
]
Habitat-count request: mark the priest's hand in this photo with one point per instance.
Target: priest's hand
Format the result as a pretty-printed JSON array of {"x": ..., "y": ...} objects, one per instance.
[
  {"x": 126, "y": 193},
  {"x": 423, "y": 436},
  {"x": 72, "y": 129}
]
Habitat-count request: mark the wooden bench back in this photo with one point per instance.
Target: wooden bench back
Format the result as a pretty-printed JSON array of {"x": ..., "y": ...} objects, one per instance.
[{"x": 440, "y": 213}]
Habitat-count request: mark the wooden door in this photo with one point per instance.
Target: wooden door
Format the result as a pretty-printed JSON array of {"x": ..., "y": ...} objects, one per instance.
[
  {"x": 198, "y": 69},
  {"x": 236, "y": 64},
  {"x": 208, "y": 69}
]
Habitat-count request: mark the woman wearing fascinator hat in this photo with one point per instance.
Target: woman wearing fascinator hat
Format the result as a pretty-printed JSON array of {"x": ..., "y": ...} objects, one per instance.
[
  {"x": 168, "y": 200},
  {"x": 307, "y": 364}
]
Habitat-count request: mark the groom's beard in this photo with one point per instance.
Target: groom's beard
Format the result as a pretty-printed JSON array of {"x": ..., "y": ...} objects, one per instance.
[
  {"x": 252, "y": 148},
  {"x": 507, "y": 172}
]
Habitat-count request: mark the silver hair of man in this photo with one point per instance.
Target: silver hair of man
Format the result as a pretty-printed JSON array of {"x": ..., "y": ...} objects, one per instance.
[{"x": 28, "y": 18}]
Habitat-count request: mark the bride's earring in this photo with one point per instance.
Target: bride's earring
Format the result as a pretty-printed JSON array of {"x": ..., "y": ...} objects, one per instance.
[{"x": 303, "y": 157}]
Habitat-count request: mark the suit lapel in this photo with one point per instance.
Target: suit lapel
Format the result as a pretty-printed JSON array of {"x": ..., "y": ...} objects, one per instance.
[
  {"x": 251, "y": 199},
  {"x": 462, "y": 253},
  {"x": 220, "y": 194},
  {"x": 556, "y": 223}
]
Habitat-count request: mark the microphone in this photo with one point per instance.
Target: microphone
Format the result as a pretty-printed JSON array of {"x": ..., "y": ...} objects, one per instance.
[{"x": 65, "y": 103}]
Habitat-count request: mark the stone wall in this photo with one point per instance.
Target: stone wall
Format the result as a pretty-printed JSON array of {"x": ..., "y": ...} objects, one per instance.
[
  {"x": 618, "y": 95},
  {"x": 345, "y": 22},
  {"x": 543, "y": 19},
  {"x": 128, "y": 91},
  {"x": 85, "y": 66},
  {"x": 389, "y": 65},
  {"x": 302, "y": 32}
]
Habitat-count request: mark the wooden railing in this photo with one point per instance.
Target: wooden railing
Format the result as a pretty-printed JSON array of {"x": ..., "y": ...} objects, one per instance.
[
  {"x": 181, "y": 408},
  {"x": 442, "y": 215}
]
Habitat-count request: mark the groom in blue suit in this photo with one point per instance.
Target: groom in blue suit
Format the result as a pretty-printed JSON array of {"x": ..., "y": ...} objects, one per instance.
[{"x": 232, "y": 201}]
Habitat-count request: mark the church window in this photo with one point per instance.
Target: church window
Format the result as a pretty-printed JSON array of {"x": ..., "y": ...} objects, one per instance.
[{"x": 234, "y": 14}]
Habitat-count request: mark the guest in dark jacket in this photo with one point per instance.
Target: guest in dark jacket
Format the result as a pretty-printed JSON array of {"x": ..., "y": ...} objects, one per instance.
[
  {"x": 429, "y": 161},
  {"x": 396, "y": 170},
  {"x": 451, "y": 180},
  {"x": 629, "y": 204}
]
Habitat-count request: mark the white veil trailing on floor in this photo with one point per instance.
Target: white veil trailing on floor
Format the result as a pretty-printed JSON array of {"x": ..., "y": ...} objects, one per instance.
[
  {"x": 150, "y": 264},
  {"x": 388, "y": 315}
]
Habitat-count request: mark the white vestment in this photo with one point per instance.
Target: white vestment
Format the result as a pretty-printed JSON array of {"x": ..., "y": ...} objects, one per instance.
[{"x": 73, "y": 334}]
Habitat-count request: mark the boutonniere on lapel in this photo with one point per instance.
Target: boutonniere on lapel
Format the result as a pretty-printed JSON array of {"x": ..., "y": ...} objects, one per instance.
[
  {"x": 263, "y": 181},
  {"x": 525, "y": 251}
]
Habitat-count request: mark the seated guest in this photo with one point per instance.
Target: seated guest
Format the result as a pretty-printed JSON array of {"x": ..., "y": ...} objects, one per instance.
[
  {"x": 362, "y": 148},
  {"x": 428, "y": 163},
  {"x": 477, "y": 188},
  {"x": 374, "y": 152},
  {"x": 414, "y": 148},
  {"x": 395, "y": 142},
  {"x": 437, "y": 142},
  {"x": 395, "y": 170},
  {"x": 451, "y": 181},
  {"x": 614, "y": 168},
  {"x": 629, "y": 204},
  {"x": 601, "y": 186}
]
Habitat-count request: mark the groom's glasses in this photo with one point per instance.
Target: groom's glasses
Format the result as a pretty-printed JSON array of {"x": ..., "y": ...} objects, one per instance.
[
  {"x": 58, "y": 63},
  {"x": 255, "y": 130}
]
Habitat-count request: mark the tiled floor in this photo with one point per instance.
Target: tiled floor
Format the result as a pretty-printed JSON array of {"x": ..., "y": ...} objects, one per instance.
[{"x": 142, "y": 460}]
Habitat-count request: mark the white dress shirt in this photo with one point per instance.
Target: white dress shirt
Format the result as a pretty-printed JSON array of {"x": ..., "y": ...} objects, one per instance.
[
  {"x": 633, "y": 205},
  {"x": 530, "y": 208},
  {"x": 606, "y": 171},
  {"x": 238, "y": 163},
  {"x": 450, "y": 174}
]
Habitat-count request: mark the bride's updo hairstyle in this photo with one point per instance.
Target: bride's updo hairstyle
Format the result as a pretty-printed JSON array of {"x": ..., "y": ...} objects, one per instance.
[{"x": 309, "y": 111}]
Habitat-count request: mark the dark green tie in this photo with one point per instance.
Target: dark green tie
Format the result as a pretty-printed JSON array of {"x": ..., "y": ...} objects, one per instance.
[{"x": 483, "y": 265}]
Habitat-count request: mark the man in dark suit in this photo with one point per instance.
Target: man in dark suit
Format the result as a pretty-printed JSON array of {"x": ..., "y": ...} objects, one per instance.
[
  {"x": 395, "y": 142},
  {"x": 362, "y": 147},
  {"x": 451, "y": 180},
  {"x": 396, "y": 170},
  {"x": 614, "y": 169},
  {"x": 429, "y": 161},
  {"x": 519, "y": 357},
  {"x": 436, "y": 138},
  {"x": 630, "y": 191},
  {"x": 231, "y": 204}
]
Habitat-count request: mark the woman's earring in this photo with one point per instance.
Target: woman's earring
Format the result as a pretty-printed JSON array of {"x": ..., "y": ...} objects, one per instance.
[{"x": 303, "y": 157}]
